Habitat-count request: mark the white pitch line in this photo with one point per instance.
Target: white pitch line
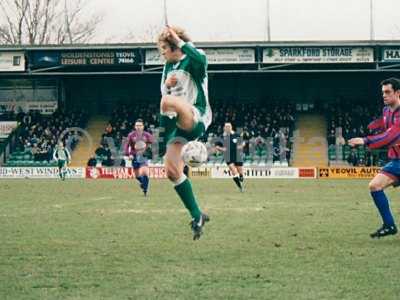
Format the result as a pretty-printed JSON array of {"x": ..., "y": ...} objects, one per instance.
[
  {"x": 59, "y": 205},
  {"x": 167, "y": 211}
]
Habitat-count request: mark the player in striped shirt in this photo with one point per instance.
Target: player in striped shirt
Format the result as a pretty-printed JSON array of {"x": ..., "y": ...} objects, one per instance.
[
  {"x": 389, "y": 126},
  {"x": 135, "y": 147},
  {"x": 63, "y": 157},
  {"x": 185, "y": 111}
]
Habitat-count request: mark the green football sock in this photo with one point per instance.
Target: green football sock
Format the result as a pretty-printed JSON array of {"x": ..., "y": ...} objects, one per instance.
[{"x": 185, "y": 192}]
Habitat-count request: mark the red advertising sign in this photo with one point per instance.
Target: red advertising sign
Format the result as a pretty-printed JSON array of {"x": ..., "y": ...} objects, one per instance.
[
  {"x": 122, "y": 173},
  {"x": 307, "y": 173}
]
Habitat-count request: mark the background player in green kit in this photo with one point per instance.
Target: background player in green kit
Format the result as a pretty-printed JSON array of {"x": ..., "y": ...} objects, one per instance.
[
  {"x": 185, "y": 111},
  {"x": 63, "y": 157}
]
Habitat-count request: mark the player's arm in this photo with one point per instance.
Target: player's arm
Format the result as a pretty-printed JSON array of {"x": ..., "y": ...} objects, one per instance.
[
  {"x": 377, "y": 124},
  {"x": 219, "y": 147},
  {"x": 150, "y": 139},
  {"x": 388, "y": 138},
  {"x": 188, "y": 48},
  {"x": 196, "y": 55},
  {"x": 55, "y": 154},
  {"x": 127, "y": 146}
]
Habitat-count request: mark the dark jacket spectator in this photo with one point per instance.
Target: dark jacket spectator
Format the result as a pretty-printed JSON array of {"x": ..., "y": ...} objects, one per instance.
[{"x": 92, "y": 162}]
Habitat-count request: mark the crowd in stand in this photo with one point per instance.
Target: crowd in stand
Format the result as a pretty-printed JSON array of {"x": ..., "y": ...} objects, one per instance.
[
  {"x": 349, "y": 119},
  {"x": 38, "y": 134},
  {"x": 121, "y": 123},
  {"x": 262, "y": 126},
  {"x": 123, "y": 120}
]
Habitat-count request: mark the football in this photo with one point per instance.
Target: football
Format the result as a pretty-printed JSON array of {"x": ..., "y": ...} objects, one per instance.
[
  {"x": 140, "y": 146},
  {"x": 194, "y": 153}
]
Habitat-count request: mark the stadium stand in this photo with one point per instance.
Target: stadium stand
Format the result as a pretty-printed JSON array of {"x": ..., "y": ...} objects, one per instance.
[
  {"x": 266, "y": 129},
  {"x": 347, "y": 119},
  {"x": 37, "y": 135}
]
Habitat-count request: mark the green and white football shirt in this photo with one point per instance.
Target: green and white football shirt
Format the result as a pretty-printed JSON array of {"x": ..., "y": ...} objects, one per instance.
[{"x": 192, "y": 81}]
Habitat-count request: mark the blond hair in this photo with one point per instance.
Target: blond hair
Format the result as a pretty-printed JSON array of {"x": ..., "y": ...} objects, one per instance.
[{"x": 165, "y": 38}]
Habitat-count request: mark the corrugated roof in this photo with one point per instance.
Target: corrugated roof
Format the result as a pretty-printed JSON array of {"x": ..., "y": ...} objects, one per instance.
[{"x": 228, "y": 44}]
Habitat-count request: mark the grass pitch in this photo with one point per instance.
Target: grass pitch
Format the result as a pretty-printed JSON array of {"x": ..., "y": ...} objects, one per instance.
[{"x": 281, "y": 239}]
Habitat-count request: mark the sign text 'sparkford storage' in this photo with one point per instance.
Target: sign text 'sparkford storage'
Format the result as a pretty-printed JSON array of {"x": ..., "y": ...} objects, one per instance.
[{"x": 318, "y": 55}]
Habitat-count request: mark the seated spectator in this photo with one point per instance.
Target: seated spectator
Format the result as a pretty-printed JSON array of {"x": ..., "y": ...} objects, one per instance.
[
  {"x": 109, "y": 131},
  {"x": 353, "y": 158},
  {"x": 92, "y": 162},
  {"x": 35, "y": 152},
  {"x": 331, "y": 138},
  {"x": 101, "y": 152},
  {"x": 340, "y": 141},
  {"x": 109, "y": 162},
  {"x": 260, "y": 145},
  {"x": 103, "y": 155}
]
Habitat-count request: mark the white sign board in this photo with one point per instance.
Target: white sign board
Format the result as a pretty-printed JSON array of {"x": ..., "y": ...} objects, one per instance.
[
  {"x": 6, "y": 128},
  {"x": 315, "y": 55},
  {"x": 214, "y": 56},
  {"x": 391, "y": 54},
  {"x": 39, "y": 173},
  {"x": 257, "y": 172},
  {"x": 12, "y": 61},
  {"x": 44, "y": 107}
]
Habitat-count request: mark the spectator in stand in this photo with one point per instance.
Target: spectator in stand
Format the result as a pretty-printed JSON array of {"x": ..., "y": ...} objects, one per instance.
[
  {"x": 101, "y": 151},
  {"x": 109, "y": 131},
  {"x": 353, "y": 158},
  {"x": 332, "y": 138},
  {"x": 92, "y": 162},
  {"x": 35, "y": 152},
  {"x": 340, "y": 141},
  {"x": 109, "y": 159}
]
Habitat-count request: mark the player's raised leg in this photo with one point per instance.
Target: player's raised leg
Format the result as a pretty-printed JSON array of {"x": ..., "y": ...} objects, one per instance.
[
  {"x": 174, "y": 164},
  {"x": 185, "y": 113}
]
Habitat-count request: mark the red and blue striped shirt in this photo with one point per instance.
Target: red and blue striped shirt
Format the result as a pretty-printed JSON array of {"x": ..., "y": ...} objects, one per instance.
[{"x": 389, "y": 126}]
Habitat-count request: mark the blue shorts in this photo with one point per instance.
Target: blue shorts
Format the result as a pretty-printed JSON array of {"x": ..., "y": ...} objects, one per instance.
[
  {"x": 139, "y": 161},
  {"x": 392, "y": 170}
]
